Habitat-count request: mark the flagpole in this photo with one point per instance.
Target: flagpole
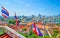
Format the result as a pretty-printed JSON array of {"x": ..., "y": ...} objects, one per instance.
[
  {"x": 46, "y": 28},
  {"x": 47, "y": 31},
  {"x": 16, "y": 21}
]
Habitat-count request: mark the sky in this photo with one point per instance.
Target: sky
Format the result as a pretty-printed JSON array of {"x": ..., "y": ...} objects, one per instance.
[{"x": 31, "y": 7}]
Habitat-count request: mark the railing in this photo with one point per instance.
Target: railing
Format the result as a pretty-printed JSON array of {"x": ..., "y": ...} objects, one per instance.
[{"x": 11, "y": 32}]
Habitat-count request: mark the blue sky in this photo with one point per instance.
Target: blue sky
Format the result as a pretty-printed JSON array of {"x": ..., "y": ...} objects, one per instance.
[{"x": 31, "y": 7}]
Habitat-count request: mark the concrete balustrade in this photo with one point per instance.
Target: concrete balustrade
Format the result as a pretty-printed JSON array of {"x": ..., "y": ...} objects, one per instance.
[{"x": 11, "y": 32}]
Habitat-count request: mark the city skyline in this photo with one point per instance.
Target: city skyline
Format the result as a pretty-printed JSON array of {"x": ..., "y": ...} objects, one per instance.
[{"x": 31, "y": 7}]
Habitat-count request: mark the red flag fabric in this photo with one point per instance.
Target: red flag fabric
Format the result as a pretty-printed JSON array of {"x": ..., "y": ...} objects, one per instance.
[{"x": 36, "y": 30}]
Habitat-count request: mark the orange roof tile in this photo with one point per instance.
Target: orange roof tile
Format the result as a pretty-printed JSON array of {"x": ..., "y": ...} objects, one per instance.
[{"x": 40, "y": 26}]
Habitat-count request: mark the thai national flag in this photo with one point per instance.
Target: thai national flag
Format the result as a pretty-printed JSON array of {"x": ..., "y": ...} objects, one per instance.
[
  {"x": 34, "y": 27},
  {"x": 16, "y": 20},
  {"x": 39, "y": 33},
  {"x": 36, "y": 30},
  {"x": 5, "y": 13},
  {"x": 15, "y": 16}
]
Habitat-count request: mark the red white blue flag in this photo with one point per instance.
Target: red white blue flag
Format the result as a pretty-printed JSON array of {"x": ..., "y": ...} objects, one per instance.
[
  {"x": 34, "y": 27},
  {"x": 16, "y": 20},
  {"x": 15, "y": 16},
  {"x": 36, "y": 30},
  {"x": 5, "y": 13},
  {"x": 39, "y": 33}
]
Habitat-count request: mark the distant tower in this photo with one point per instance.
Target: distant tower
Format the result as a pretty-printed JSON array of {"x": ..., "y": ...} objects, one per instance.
[
  {"x": 32, "y": 16},
  {"x": 39, "y": 15}
]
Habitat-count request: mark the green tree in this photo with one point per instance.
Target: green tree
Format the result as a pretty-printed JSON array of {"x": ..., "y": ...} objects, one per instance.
[
  {"x": 58, "y": 24},
  {"x": 1, "y": 31},
  {"x": 8, "y": 24},
  {"x": 24, "y": 34},
  {"x": 55, "y": 33},
  {"x": 24, "y": 29},
  {"x": 46, "y": 36},
  {"x": 12, "y": 21},
  {"x": 58, "y": 36}
]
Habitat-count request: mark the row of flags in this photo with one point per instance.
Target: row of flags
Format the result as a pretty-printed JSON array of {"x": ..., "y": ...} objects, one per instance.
[
  {"x": 5, "y": 14},
  {"x": 35, "y": 29}
]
